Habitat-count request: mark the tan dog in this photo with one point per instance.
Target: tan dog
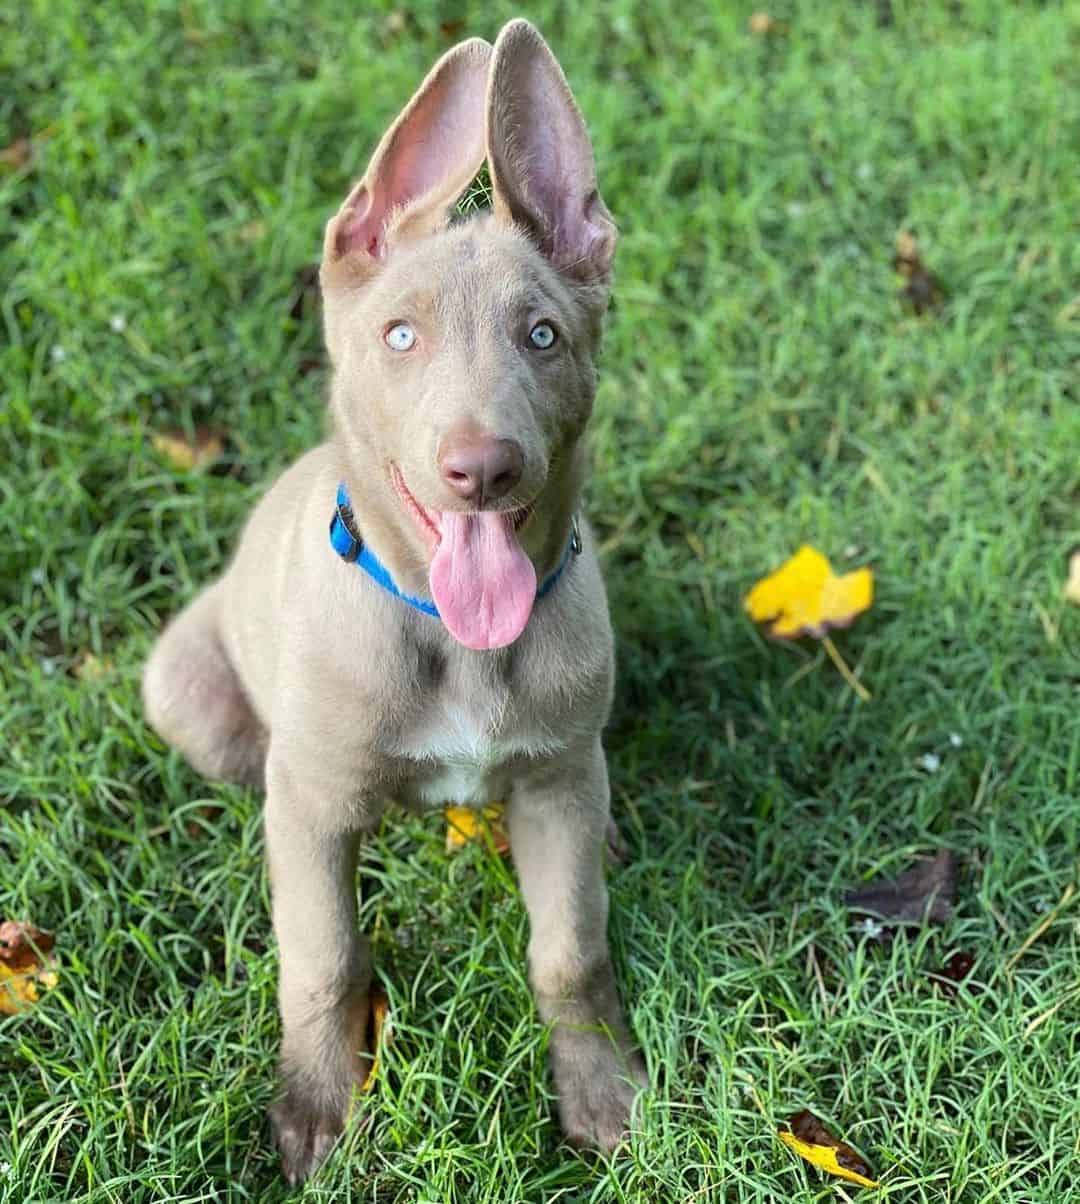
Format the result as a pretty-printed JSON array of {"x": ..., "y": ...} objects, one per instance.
[{"x": 462, "y": 383}]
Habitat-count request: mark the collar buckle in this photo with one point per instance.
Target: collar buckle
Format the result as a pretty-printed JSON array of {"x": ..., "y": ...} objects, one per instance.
[
  {"x": 347, "y": 545},
  {"x": 575, "y": 536}
]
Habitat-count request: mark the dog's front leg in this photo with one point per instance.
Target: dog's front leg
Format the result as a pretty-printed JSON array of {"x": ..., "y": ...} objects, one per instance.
[
  {"x": 558, "y": 824},
  {"x": 325, "y": 965}
]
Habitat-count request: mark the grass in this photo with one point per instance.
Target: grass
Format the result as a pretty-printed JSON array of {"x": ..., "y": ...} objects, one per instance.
[{"x": 763, "y": 384}]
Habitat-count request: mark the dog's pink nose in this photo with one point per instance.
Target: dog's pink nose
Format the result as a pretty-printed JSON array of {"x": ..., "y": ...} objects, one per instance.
[{"x": 481, "y": 468}]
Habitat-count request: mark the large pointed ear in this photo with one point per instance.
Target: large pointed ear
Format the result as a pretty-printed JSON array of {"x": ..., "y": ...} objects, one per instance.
[
  {"x": 424, "y": 162},
  {"x": 542, "y": 169}
]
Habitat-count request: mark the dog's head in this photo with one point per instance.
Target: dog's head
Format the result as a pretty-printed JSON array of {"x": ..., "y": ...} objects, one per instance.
[{"x": 463, "y": 352}]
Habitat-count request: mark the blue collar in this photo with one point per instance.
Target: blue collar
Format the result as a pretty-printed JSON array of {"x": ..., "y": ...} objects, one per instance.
[{"x": 352, "y": 548}]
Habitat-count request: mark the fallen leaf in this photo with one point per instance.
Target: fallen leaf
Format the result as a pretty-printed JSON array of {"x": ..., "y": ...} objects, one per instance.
[
  {"x": 18, "y": 155},
  {"x": 378, "y": 1030},
  {"x": 922, "y": 289},
  {"x": 209, "y": 812},
  {"x": 467, "y": 825},
  {"x": 395, "y": 23},
  {"x": 26, "y": 965},
  {"x": 451, "y": 29},
  {"x": 811, "y": 1140},
  {"x": 954, "y": 973},
  {"x": 1072, "y": 584},
  {"x": 88, "y": 667},
  {"x": 924, "y": 892},
  {"x": 184, "y": 452},
  {"x": 763, "y": 23},
  {"x": 805, "y": 597},
  {"x": 252, "y": 231}
]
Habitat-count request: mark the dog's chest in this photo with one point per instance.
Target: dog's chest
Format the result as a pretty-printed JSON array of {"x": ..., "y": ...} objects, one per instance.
[{"x": 463, "y": 750}]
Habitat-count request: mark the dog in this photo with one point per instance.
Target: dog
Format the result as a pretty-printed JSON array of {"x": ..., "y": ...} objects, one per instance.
[{"x": 448, "y": 640}]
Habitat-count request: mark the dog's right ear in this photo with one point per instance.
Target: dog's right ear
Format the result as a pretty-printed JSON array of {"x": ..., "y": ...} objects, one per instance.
[{"x": 424, "y": 162}]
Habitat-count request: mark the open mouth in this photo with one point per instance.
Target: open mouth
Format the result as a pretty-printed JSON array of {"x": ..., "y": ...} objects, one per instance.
[
  {"x": 428, "y": 521},
  {"x": 481, "y": 579}
]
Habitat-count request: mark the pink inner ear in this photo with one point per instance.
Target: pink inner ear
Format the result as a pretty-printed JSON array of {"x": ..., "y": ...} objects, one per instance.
[
  {"x": 431, "y": 151},
  {"x": 363, "y": 226}
]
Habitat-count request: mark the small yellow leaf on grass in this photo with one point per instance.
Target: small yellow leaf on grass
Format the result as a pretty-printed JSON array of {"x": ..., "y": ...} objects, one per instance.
[
  {"x": 88, "y": 667},
  {"x": 203, "y": 447},
  {"x": 25, "y": 966},
  {"x": 805, "y": 597},
  {"x": 378, "y": 1031},
  {"x": 1072, "y": 585},
  {"x": 466, "y": 825},
  {"x": 811, "y": 1140}
]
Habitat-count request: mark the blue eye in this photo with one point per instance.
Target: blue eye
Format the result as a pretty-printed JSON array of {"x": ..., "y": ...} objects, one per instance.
[
  {"x": 400, "y": 337},
  {"x": 542, "y": 336}
]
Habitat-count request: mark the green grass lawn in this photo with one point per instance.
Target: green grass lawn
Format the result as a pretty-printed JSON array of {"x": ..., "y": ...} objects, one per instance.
[{"x": 763, "y": 385}]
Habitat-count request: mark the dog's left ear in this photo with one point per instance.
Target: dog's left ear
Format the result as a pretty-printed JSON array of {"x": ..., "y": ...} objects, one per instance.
[{"x": 542, "y": 169}]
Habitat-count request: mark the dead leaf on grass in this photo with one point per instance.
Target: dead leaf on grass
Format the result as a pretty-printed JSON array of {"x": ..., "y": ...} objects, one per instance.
[
  {"x": 17, "y": 155},
  {"x": 922, "y": 289},
  {"x": 924, "y": 892},
  {"x": 954, "y": 973},
  {"x": 89, "y": 667},
  {"x": 252, "y": 231},
  {"x": 467, "y": 825},
  {"x": 763, "y": 23},
  {"x": 184, "y": 452},
  {"x": 1072, "y": 582},
  {"x": 810, "y": 1139},
  {"x": 379, "y": 1031},
  {"x": 805, "y": 597},
  {"x": 26, "y": 965},
  {"x": 208, "y": 812}
]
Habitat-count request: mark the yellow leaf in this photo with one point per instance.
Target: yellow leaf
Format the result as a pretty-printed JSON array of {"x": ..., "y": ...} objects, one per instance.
[
  {"x": 380, "y": 1010},
  {"x": 1072, "y": 585},
  {"x": 466, "y": 825},
  {"x": 203, "y": 447},
  {"x": 89, "y": 667},
  {"x": 812, "y": 1141},
  {"x": 805, "y": 597},
  {"x": 25, "y": 966}
]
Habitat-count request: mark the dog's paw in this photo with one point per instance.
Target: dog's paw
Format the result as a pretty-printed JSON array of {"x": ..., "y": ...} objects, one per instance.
[
  {"x": 597, "y": 1083},
  {"x": 304, "y": 1134}
]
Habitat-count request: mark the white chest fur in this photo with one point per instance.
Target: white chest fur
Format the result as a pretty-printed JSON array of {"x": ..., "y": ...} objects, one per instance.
[{"x": 463, "y": 755}]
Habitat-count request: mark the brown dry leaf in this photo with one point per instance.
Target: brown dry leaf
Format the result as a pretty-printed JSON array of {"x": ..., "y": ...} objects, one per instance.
[
  {"x": 18, "y": 155},
  {"x": 954, "y": 973},
  {"x": 451, "y": 29},
  {"x": 922, "y": 289},
  {"x": 1072, "y": 582},
  {"x": 26, "y": 965},
  {"x": 209, "y": 812},
  {"x": 924, "y": 892},
  {"x": 184, "y": 452},
  {"x": 810, "y": 1139}
]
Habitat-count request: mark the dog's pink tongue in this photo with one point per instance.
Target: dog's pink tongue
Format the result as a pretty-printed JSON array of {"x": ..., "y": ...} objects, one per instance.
[{"x": 482, "y": 582}]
